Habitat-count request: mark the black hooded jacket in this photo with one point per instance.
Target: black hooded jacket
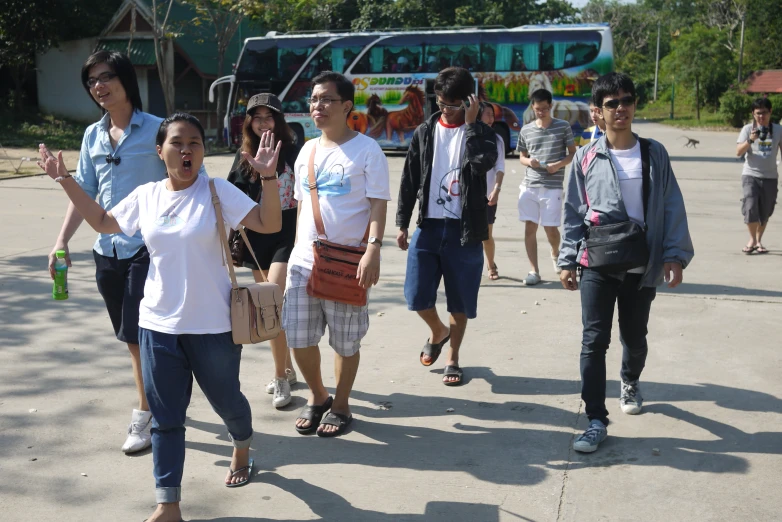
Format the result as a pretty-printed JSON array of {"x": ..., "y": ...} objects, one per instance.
[{"x": 480, "y": 155}]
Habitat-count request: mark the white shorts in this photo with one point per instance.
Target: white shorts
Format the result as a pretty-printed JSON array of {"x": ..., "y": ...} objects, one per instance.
[
  {"x": 304, "y": 318},
  {"x": 541, "y": 205}
]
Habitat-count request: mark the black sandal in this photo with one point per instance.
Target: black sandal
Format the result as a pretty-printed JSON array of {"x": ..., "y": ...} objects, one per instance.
[
  {"x": 433, "y": 350},
  {"x": 453, "y": 371},
  {"x": 335, "y": 419},
  {"x": 313, "y": 413}
]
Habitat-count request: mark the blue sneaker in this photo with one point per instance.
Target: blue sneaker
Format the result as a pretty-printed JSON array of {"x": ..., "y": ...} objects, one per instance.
[{"x": 592, "y": 437}]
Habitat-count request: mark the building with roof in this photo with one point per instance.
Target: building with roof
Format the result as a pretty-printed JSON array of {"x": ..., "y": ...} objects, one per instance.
[
  {"x": 194, "y": 64},
  {"x": 765, "y": 82}
]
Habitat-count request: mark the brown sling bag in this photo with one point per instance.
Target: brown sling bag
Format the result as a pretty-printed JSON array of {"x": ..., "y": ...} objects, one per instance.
[{"x": 335, "y": 266}]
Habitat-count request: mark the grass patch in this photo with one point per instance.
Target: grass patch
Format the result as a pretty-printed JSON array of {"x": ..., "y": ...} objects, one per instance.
[
  {"x": 684, "y": 116},
  {"x": 30, "y": 128}
]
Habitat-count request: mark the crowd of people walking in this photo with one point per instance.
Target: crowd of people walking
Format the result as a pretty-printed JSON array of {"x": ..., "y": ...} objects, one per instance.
[{"x": 161, "y": 267}]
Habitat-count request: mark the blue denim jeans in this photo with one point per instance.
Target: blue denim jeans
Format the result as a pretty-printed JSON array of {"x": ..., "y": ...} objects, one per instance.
[
  {"x": 436, "y": 253},
  {"x": 599, "y": 294},
  {"x": 168, "y": 363}
]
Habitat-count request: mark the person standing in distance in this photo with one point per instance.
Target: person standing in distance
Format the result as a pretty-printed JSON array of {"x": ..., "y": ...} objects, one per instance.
[{"x": 759, "y": 142}]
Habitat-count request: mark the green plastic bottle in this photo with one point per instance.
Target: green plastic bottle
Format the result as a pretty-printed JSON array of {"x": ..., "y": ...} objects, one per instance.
[{"x": 60, "y": 287}]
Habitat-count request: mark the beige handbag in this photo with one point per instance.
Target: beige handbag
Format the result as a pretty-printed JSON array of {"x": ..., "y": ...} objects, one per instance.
[{"x": 256, "y": 309}]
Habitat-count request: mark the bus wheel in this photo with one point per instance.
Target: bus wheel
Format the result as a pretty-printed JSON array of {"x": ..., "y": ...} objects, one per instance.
[
  {"x": 299, "y": 132},
  {"x": 503, "y": 132}
]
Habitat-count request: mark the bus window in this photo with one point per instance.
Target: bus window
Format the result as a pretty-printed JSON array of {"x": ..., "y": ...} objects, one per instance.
[
  {"x": 399, "y": 54},
  {"x": 259, "y": 59},
  {"x": 451, "y": 50},
  {"x": 511, "y": 51},
  {"x": 336, "y": 56},
  {"x": 561, "y": 50}
]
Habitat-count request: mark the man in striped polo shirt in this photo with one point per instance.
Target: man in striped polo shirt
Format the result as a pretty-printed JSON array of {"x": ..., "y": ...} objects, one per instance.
[{"x": 546, "y": 147}]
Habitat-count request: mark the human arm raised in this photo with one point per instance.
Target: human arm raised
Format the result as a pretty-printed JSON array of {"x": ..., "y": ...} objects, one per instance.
[{"x": 266, "y": 218}]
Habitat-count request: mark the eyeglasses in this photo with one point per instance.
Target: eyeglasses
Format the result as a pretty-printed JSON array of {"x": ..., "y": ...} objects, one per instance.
[
  {"x": 625, "y": 101},
  {"x": 112, "y": 159},
  {"x": 444, "y": 107},
  {"x": 102, "y": 78},
  {"x": 323, "y": 101}
]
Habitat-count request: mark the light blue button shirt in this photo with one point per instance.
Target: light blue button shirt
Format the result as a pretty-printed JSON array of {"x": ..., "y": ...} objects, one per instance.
[{"x": 110, "y": 183}]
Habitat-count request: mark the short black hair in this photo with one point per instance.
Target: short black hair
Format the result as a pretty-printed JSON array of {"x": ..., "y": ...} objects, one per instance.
[
  {"x": 609, "y": 85},
  {"x": 121, "y": 66},
  {"x": 345, "y": 87},
  {"x": 540, "y": 96},
  {"x": 454, "y": 83},
  {"x": 162, "y": 131},
  {"x": 761, "y": 103}
]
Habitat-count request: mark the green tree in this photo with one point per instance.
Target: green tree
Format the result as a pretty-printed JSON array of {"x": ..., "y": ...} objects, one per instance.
[{"x": 700, "y": 60}]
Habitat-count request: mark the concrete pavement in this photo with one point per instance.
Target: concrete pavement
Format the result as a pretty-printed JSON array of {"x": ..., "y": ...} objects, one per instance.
[{"x": 707, "y": 447}]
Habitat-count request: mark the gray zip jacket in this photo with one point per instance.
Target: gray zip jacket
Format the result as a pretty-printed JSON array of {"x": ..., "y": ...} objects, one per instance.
[{"x": 593, "y": 197}]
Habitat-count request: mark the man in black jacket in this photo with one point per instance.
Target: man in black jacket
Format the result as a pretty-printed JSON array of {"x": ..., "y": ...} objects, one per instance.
[{"x": 445, "y": 171}]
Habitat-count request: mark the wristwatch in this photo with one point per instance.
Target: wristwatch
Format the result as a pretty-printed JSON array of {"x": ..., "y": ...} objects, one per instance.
[{"x": 374, "y": 241}]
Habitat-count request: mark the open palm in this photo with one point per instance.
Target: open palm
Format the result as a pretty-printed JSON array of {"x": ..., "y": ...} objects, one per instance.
[
  {"x": 265, "y": 160},
  {"x": 54, "y": 167}
]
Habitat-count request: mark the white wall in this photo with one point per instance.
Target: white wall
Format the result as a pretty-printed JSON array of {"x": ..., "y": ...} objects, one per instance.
[
  {"x": 60, "y": 90},
  {"x": 143, "y": 87}
]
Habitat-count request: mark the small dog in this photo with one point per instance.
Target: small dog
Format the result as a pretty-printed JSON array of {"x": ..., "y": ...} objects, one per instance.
[{"x": 691, "y": 142}]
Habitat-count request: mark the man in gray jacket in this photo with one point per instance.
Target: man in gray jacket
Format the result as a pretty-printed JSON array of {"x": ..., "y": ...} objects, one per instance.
[{"x": 606, "y": 187}]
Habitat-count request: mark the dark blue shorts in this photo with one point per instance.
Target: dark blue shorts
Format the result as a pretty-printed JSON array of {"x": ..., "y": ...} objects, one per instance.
[
  {"x": 436, "y": 253},
  {"x": 121, "y": 283}
]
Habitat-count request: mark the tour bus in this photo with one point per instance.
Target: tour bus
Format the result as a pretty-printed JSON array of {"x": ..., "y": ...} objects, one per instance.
[{"x": 394, "y": 74}]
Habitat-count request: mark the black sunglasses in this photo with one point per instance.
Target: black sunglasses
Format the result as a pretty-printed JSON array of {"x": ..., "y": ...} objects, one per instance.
[
  {"x": 112, "y": 159},
  {"x": 614, "y": 104}
]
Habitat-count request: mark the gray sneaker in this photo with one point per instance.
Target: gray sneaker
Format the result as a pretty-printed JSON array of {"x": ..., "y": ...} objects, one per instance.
[
  {"x": 282, "y": 393},
  {"x": 630, "y": 400},
  {"x": 592, "y": 437}
]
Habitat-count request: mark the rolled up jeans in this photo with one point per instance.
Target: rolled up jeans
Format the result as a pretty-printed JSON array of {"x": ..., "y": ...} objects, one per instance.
[{"x": 168, "y": 364}]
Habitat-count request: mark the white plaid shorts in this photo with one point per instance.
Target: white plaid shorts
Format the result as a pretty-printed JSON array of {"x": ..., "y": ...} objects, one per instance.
[{"x": 304, "y": 318}]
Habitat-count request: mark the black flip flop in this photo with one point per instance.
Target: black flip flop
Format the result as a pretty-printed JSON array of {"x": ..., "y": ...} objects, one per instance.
[
  {"x": 248, "y": 468},
  {"x": 761, "y": 250},
  {"x": 335, "y": 419},
  {"x": 433, "y": 350},
  {"x": 313, "y": 413},
  {"x": 453, "y": 371},
  {"x": 749, "y": 249}
]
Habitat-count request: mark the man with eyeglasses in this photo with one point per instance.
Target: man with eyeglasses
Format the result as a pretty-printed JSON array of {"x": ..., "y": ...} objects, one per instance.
[
  {"x": 545, "y": 146},
  {"x": 759, "y": 142},
  {"x": 351, "y": 174},
  {"x": 616, "y": 192},
  {"x": 117, "y": 155},
  {"x": 445, "y": 171}
]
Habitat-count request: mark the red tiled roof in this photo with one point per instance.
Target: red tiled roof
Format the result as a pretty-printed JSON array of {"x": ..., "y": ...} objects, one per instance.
[{"x": 765, "y": 81}]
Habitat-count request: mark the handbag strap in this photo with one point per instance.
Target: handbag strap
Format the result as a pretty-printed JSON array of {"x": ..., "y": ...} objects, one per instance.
[
  {"x": 224, "y": 238},
  {"x": 313, "y": 185}
]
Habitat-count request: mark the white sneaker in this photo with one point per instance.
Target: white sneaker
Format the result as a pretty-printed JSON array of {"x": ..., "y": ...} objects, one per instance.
[
  {"x": 557, "y": 269},
  {"x": 139, "y": 436},
  {"x": 291, "y": 373},
  {"x": 282, "y": 393},
  {"x": 532, "y": 278}
]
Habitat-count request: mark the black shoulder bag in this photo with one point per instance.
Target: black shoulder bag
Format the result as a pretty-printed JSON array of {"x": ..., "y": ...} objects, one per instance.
[{"x": 621, "y": 246}]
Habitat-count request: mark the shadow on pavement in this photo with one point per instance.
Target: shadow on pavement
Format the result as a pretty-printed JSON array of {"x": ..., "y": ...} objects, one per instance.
[
  {"x": 709, "y": 289},
  {"x": 330, "y": 506}
]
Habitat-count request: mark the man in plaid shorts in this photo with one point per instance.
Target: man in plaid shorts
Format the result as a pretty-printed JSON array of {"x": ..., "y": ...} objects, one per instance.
[{"x": 351, "y": 173}]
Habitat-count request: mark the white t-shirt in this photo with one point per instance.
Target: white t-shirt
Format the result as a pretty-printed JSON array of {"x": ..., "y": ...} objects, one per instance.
[
  {"x": 629, "y": 170},
  {"x": 491, "y": 176},
  {"x": 347, "y": 176},
  {"x": 187, "y": 289},
  {"x": 445, "y": 199}
]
